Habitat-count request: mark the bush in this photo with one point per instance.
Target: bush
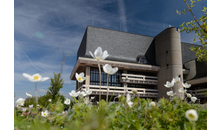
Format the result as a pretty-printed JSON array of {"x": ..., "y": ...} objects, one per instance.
[{"x": 164, "y": 115}]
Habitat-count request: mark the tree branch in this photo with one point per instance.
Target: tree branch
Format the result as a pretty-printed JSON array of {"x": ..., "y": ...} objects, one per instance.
[{"x": 204, "y": 30}]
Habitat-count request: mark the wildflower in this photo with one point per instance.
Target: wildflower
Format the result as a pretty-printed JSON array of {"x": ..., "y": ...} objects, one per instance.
[
  {"x": 176, "y": 79},
  {"x": 191, "y": 115},
  {"x": 109, "y": 70},
  {"x": 67, "y": 101},
  {"x": 81, "y": 93},
  {"x": 31, "y": 106},
  {"x": 35, "y": 78},
  {"x": 170, "y": 93},
  {"x": 88, "y": 91},
  {"x": 152, "y": 104},
  {"x": 99, "y": 55},
  {"x": 169, "y": 84},
  {"x": 181, "y": 90},
  {"x": 134, "y": 91},
  {"x": 80, "y": 77},
  {"x": 44, "y": 114},
  {"x": 129, "y": 102},
  {"x": 49, "y": 100},
  {"x": 73, "y": 93},
  {"x": 23, "y": 109},
  {"x": 193, "y": 99},
  {"x": 20, "y": 101},
  {"x": 186, "y": 85},
  {"x": 188, "y": 95},
  {"x": 29, "y": 95}
]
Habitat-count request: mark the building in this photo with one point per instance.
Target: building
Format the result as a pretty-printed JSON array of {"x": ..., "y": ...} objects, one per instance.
[{"x": 145, "y": 63}]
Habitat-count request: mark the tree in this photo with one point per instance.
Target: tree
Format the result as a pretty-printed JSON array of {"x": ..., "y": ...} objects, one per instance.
[
  {"x": 56, "y": 84},
  {"x": 198, "y": 27}
]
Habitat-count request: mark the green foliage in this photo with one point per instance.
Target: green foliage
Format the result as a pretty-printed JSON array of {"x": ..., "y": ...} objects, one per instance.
[
  {"x": 141, "y": 116},
  {"x": 56, "y": 84},
  {"x": 199, "y": 27}
]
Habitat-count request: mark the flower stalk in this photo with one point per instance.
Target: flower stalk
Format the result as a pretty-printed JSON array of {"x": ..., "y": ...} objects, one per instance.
[
  {"x": 36, "y": 94},
  {"x": 100, "y": 76},
  {"x": 107, "y": 89}
]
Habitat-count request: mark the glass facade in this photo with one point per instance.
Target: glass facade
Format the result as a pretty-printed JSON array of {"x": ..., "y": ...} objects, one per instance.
[{"x": 114, "y": 80}]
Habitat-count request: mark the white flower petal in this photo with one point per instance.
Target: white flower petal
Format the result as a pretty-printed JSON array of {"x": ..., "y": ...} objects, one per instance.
[
  {"x": 27, "y": 75},
  {"x": 81, "y": 74},
  {"x": 44, "y": 79},
  {"x": 98, "y": 53},
  {"x": 92, "y": 54},
  {"x": 191, "y": 115},
  {"x": 104, "y": 55},
  {"x": 114, "y": 70}
]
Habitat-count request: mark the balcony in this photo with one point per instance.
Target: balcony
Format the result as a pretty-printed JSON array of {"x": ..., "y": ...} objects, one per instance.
[
  {"x": 200, "y": 93},
  {"x": 115, "y": 91},
  {"x": 138, "y": 79}
]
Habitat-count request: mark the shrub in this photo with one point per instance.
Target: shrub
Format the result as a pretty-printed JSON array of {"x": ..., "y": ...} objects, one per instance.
[{"x": 164, "y": 114}]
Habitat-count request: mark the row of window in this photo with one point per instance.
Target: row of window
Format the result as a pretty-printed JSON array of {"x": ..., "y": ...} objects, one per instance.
[{"x": 114, "y": 80}]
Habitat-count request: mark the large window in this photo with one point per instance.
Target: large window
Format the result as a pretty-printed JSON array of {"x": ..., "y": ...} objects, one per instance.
[{"x": 114, "y": 80}]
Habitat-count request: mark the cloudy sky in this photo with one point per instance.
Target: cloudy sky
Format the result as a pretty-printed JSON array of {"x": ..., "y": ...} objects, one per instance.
[{"x": 47, "y": 30}]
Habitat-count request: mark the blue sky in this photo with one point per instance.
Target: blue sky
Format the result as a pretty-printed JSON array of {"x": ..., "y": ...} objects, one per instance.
[{"x": 44, "y": 30}]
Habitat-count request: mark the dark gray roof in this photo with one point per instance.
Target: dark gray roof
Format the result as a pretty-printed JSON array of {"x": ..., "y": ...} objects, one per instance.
[{"x": 123, "y": 46}]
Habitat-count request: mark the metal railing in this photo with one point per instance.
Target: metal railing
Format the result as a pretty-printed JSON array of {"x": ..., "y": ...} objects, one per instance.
[
  {"x": 138, "y": 79},
  {"x": 120, "y": 90}
]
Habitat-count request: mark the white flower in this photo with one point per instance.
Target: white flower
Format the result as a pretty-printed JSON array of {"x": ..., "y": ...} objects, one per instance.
[
  {"x": 20, "y": 101},
  {"x": 88, "y": 91},
  {"x": 44, "y": 114},
  {"x": 92, "y": 98},
  {"x": 193, "y": 99},
  {"x": 31, "y": 106},
  {"x": 81, "y": 93},
  {"x": 176, "y": 79},
  {"x": 99, "y": 55},
  {"x": 109, "y": 70},
  {"x": 80, "y": 77},
  {"x": 129, "y": 102},
  {"x": 170, "y": 93},
  {"x": 152, "y": 104},
  {"x": 188, "y": 95},
  {"x": 67, "y": 101},
  {"x": 119, "y": 96},
  {"x": 186, "y": 85},
  {"x": 29, "y": 95},
  {"x": 191, "y": 115},
  {"x": 35, "y": 78},
  {"x": 38, "y": 105},
  {"x": 49, "y": 100},
  {"x": 134, "y": 91},
  {"x": 169, "y": 84},
  {"x": 24, "y": 109},
  {"x": 73, "y": 93},
  {"x": 181, "y": 90}
]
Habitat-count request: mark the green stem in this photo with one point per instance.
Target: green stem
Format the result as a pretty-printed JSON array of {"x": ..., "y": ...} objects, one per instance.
[
  {"x": 113, "y": 94},
  {"x": 107, "y": 90},
  {"x": 100, "y": 74},
  {"x": 137, "y": 107},
  {"x": 36, "y": 94}
]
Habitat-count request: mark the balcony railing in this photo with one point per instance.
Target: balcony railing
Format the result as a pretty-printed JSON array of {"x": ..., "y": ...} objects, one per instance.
[
  {"x": 141, "y": 92},
  {"x": 199, "y": 92},
  {"x": 138, "y": 79}
]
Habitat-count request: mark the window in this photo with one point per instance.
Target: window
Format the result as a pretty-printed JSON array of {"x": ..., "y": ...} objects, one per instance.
[
  {"x": 143, "y": 60},
  {"x": 114, "y": 80}
]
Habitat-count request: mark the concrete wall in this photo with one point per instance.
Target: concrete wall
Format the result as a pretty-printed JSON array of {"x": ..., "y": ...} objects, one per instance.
[{"x": 169, "y": 57}]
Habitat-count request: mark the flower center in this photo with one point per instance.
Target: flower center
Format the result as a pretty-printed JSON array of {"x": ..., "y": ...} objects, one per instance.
[
  {"x": 79, "y": 78},
  {"x": 45, "y": 114},
  {"x": 36, "y": 77},
  {"x": 191, "y": 116}
]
